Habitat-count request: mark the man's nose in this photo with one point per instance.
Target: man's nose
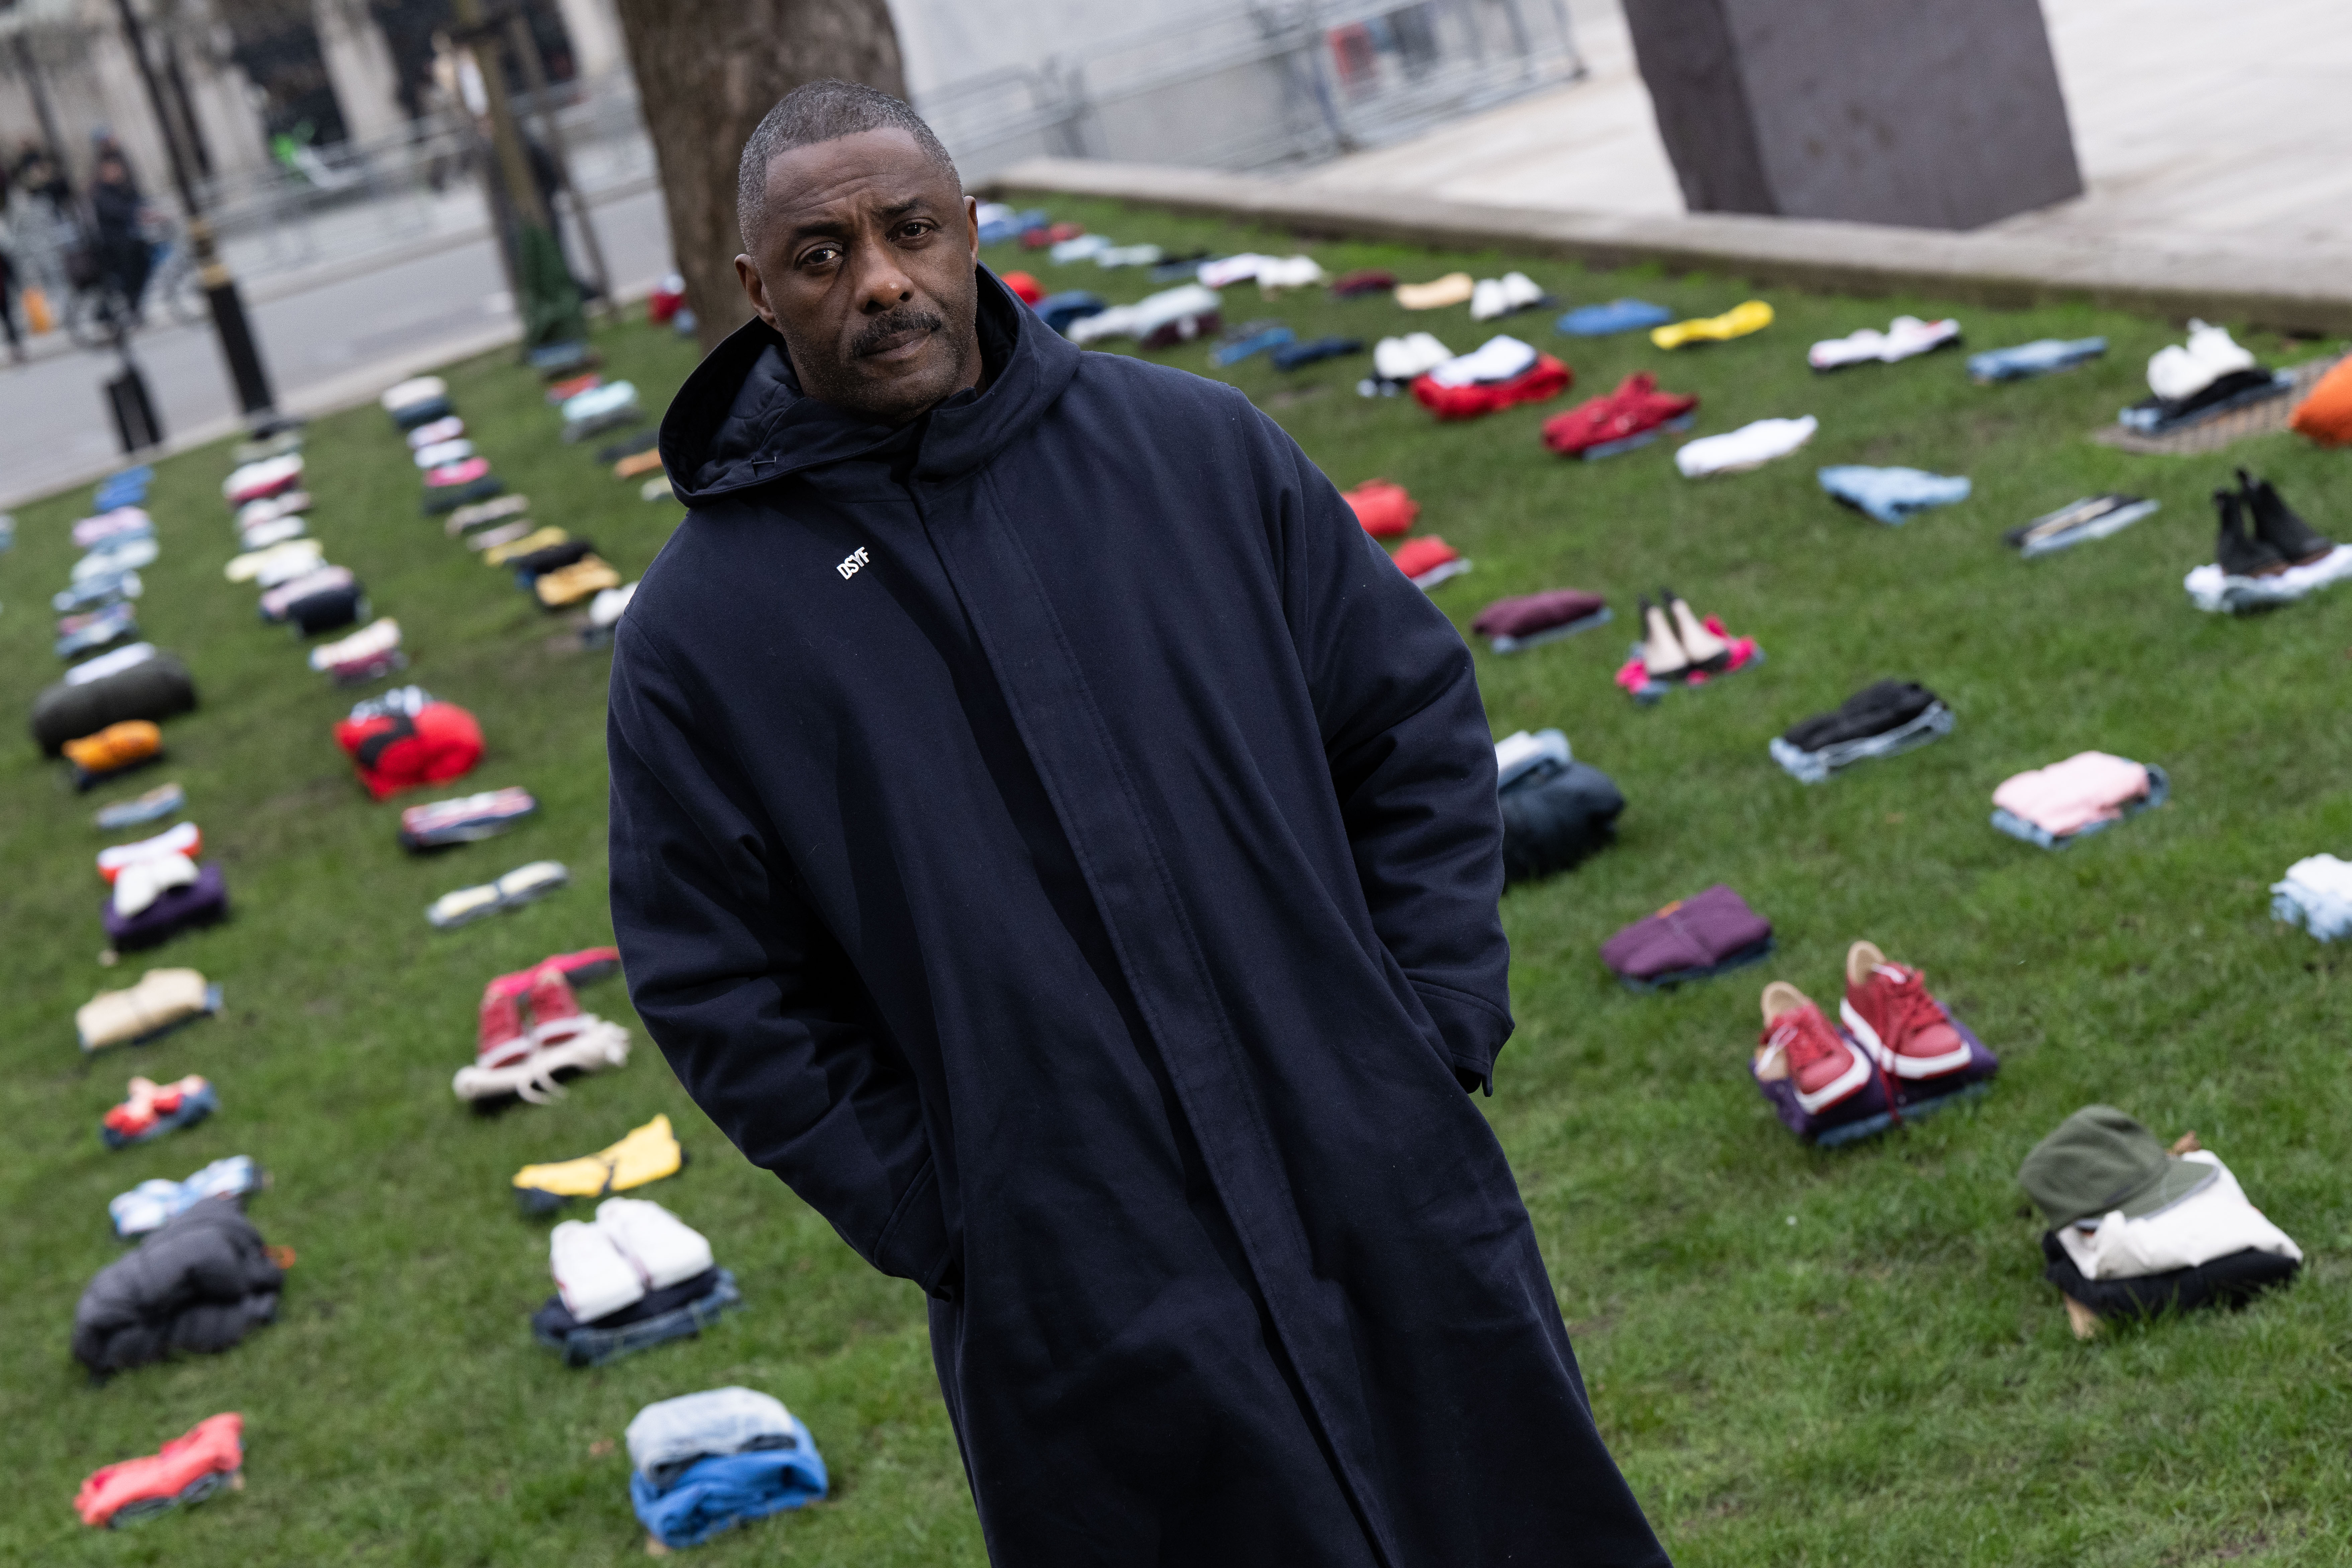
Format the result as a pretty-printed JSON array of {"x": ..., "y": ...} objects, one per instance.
[{"x": 882, "y": 283}]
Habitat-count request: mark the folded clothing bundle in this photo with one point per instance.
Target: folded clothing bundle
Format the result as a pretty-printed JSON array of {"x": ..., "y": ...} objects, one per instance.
[
  {"x": 2213, "y": 590},
  {"x": 605, "y": 611},
  {"x": 599, "y": 409},
  {"x": 152, "y": 1204},
  {"x": 114, "y": 663},
  {"x": 1751, "y": 447},
  {"x": 1890, "y": 495},
  {"x": 634, "y": 1245},
  {"x": 268, "y": 476},
  {"x": 1529, "y": 619},
  {"x": 95, "y": 592},
  {"x": 184, "y": 839},
  {"x": 1363, "y": 283},
  {"x": 152, "y": 688},
  {"x": 79, "y": 634},
  {"x": 1690, "y": 939},
  {"x": 1314, "y": 351},
  {"x": 1633, "y": 415},
  {"x": 523, "y": 545},
  {"x": 1616, "y": 316},
  {"x": 2054, "y": 805},
  {"x": 2190, "y": 382},
  {"x": 200, "y": 1283},
  {"x": 116, "y": 749},
  {"x": 139, "y": 884},
  {"x": 114, "y": 555},
  {"x": 157, "y": 803},
  {"x": 2093, "y": 517},
  {"x": 465, "y": 519},
  {"x": 2040, "y": 357},
  {"x": 279, "y": 603},
  {"x": 1172, "y": 316},
  {"x": 1752, "y": 316},
  {"x": 1498, "y": 359},
  {"x": 519, "y": 886},
  {"x": 192, "y": 1467},
  {"x": 1546, "y": 377},
  {"x": 2316, "y": 894},
  {"x": 435, "y": 433},
  {"x": 466, "y": 819},
  {"x": 2138, "y": 1229},
  {"x": 371, "y": 651},
  {"x": 1382, "y": 506},
  {"x": 442, "y": 452},
  {"x": 122, "y": 522},
  {"x": 647, "y": 1153},
  {"x": 176, "y": 905},
  {"x": 1454, "y": 288},
  {"x": 704, "y": 1463},
  {"x": 1555, "y": 810},
  {"x": 162, "y": 1001},
  {"x": 457, "y": 475},
  {"x": 153, "y": 1109},
  {"x": 1904, "y": 336},
  {"x": 2324, "y": 415},
  {"x": 407, "y": 737},
  {"x": 674, "y": 1313},
  {"x": 1403, "y": 359},
  {"x": 1237, "y": 344},
  {"x": 1492, "y": 298},
  {"x": 1428, "y": 561},
  {"x": 1883, "y": 720}
]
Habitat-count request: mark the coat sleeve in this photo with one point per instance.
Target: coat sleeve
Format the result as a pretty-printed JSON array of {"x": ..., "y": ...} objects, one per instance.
[
  {"x": 754, "y": 1004},
  {"x": 1412, "y": 758}
]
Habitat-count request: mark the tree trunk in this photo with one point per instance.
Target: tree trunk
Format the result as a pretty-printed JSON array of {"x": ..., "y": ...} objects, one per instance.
[{"x": 707, "y": 75}]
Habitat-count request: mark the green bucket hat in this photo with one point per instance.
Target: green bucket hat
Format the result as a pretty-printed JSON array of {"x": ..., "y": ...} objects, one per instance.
[{"x": 2100, "y": 1160}]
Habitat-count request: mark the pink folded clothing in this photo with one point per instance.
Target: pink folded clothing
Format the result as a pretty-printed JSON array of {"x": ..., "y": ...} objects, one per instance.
[
  {"x": 2066, "y": 797},
  {"x": 191, "y": 1468}
]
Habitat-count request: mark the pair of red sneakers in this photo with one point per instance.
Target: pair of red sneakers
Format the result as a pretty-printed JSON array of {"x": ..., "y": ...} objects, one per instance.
[
  {"x": 1634, "y": 414},
  {"x": 512, "y": 1058},
  {"x": 1895, "y": 1049}
]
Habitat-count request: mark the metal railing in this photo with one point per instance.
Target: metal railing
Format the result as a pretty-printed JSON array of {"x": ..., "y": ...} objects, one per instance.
[{"x": 1260, "y": 83}]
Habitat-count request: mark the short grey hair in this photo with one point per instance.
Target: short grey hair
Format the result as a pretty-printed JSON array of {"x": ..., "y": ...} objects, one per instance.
[{"x": 822, "y": 112}]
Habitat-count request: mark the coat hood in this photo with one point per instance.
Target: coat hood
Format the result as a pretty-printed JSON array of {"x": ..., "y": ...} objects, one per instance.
[{"x": 741, "y": 419}]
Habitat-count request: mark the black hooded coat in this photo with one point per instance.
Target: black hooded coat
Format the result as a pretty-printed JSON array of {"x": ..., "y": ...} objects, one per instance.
[{"x": 1053, "y": 838}]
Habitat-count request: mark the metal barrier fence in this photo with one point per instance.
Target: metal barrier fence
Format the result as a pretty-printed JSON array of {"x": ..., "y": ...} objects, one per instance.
[{"x": 1260, "y": 83}]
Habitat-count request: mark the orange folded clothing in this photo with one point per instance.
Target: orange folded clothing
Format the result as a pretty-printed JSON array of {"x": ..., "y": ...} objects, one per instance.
[
  {"x": 189, "y": 1469},
  {"x": 1547, "y": 377},
  {"x": 116, "y": 747},
  {"x": 2326, "y": 416},
  {"x": 1382, "y": 506},
  {"x": 645, "y": 462},
  {"x": 1428, "y": 561}
]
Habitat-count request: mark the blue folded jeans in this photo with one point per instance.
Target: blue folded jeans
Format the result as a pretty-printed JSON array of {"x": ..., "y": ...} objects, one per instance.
[
  {"x": 718, "y": 1493},
  {"x": 586, "y": 1344},
  {"x": 2039, "y": 357},
  {"x": 1891, "y": 495}
]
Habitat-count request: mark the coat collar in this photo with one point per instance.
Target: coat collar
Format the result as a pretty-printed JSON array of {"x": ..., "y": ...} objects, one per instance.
[{"x": 742, "y": 421}]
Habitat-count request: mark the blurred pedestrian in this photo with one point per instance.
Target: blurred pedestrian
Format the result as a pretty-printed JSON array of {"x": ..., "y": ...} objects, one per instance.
[
  {"x": 125, "y": 257},
  {"x": 10, "y": 280}
]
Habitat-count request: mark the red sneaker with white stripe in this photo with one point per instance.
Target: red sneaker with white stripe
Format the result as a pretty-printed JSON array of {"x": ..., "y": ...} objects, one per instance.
[
  {"x": 1799, "y": 1045},
  {"x": 1888, "y": 1010}
]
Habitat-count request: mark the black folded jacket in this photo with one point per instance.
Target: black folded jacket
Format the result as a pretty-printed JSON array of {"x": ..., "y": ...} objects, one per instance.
[
  {"x": 2229, "y": 1281},
  {"x": 1555, "y": 816},
  {"x": 1873, "y": 710},
  {"x": 556, "y": 1318},
  {"x": 154, "y": 688},
  {"x": 541, "y": 562},
  {"x": 327, "y": 609}
]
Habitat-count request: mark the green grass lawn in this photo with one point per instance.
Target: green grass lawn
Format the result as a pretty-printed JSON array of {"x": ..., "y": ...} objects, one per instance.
[{"x": 1799, "y": 1358}]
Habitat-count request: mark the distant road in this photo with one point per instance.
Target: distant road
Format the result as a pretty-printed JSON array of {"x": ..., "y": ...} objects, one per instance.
[{"x": 341, "y": 334}]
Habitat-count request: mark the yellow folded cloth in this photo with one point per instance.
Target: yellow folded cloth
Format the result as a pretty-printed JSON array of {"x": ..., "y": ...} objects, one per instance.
[
  {"x": 1454, "y": 288},
  {"x": 570, "y": 585},
  {"x": 499, "y": 554},
  {"x": 647, "y": 1154},
  {"x": 117, "y": 746},
  {"x": 1737, "y": 322},
  {"x": 161, "y": 998}
]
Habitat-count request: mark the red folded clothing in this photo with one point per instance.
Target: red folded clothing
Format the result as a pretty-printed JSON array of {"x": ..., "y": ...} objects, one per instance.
[
  {"x": 1039, "y": 238},
  {"x": 1429, "y": 560},
  {"x": 1366, "y": 280},
  {"x": 1636, "y": 408},
  {"x": 1025, "y": 288},
  {"x": 1545, "y": 378},
  {"x": 1532, "y": 613},
  {"x": 213, "y": 1447},
  {"x": 463, "y": 472},
  {"x": 395, "y": 752},
  {"x": 1382, "y": 506}
]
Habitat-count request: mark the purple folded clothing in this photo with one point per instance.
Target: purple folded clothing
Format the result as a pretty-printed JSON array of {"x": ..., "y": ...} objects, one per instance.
[
  {"x": 1688, "y": 938},
  {"x": 1532, "y": 613},
  {"x": 201, "y": 901}
]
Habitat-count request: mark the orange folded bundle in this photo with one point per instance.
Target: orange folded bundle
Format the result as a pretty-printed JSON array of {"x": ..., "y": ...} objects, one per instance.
[
  {"x": 115, "y": 747},
  {"x": 645, "y": 462},
  {"x": 2326, "y": 416},
  {"x": 1382, "y": 506}
]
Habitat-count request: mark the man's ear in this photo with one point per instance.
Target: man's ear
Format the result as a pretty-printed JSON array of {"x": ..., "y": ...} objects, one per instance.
[
  {"x": 747, "y": 272},
  {"x": 972, "y": 222}
]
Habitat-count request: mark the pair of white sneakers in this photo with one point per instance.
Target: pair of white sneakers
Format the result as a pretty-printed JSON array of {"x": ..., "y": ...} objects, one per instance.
[{"x": 633, "y": 1247}]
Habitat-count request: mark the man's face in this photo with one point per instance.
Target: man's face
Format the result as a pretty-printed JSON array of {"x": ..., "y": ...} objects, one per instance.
[{"x": 864, "y": 265}]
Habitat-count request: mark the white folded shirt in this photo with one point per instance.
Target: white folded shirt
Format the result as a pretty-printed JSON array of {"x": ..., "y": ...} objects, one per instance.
[
  {"x": 2176, "y": 371},
  {"x": 1499, "y": 358},
  {"x": 108, "y": 664},
  {"x": 122, "y": 556},
  {"x": 1402, "y": 359},
  {"x": 663, "y": 1248},
  {"x": 277, "y": 563},
  {"x": 141, "y": 882},
  {"x": 591, "y": 1273},
  {"x": 1493, "y": 296},
  {"x": 179, "y": 840},
  {"x": 1749, "y": 447},
  {"x": 2212, "y": 1222},
  {"x": 1904, "y": 336}
]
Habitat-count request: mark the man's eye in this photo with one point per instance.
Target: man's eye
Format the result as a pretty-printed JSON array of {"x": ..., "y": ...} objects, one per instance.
[
  {"x": 822, "y": 256},
  {"x": 918, "y": 228}
]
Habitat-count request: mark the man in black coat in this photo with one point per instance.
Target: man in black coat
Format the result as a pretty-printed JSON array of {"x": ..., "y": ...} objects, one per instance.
[{"x": 1053, "y": 838}]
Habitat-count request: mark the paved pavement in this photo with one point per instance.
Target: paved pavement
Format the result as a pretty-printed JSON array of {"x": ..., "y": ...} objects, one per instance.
[
  {"x": 330, "y": 337},
  {"x": 2202, "y": 128}
]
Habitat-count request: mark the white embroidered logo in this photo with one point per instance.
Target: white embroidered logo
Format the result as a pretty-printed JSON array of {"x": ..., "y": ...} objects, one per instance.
[{"x": 856, "y": 561}]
